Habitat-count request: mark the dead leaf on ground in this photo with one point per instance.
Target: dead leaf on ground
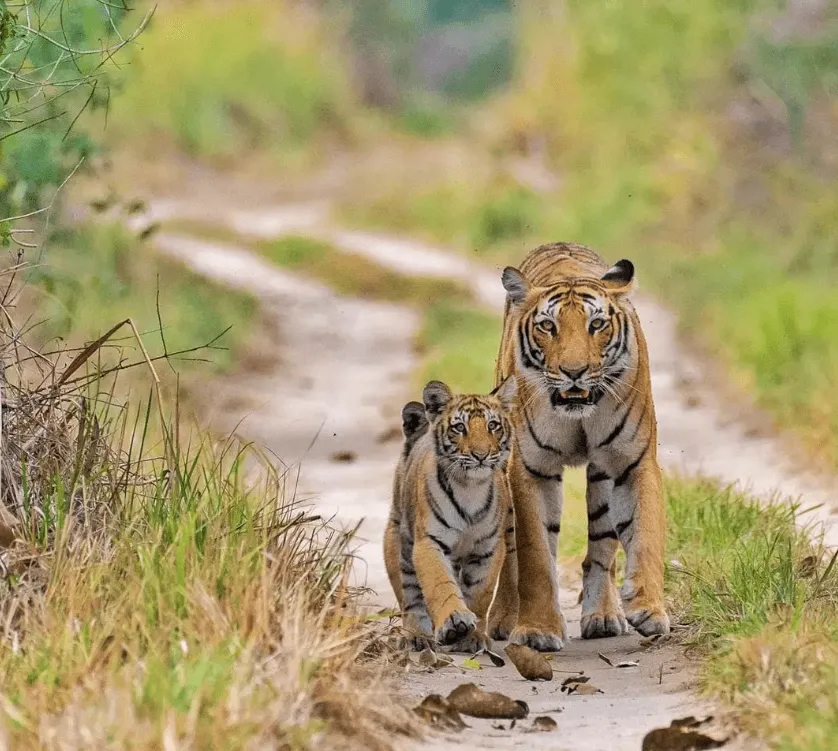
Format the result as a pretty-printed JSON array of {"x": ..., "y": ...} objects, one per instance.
[
  {"x": 496, "y": 659},
  {"x": 438, "y": 712},
  {"x": 545, "y": 724},
  {"x": 473, "y": 701},
  {"x": 808, "y": 567},
  {"x": 529, "y": 663},
  {"x": 430, "y": 659},
  {"x": 580, "y": 685},
  {"x": 622, "y": 664},
  {"x": 577, "y": 678},
  {"x": 681, "y": 735},
  {"x": 344, "y": 457}
]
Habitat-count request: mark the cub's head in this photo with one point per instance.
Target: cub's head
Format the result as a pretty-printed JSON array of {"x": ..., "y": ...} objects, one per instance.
[
  {"x": 471, "y": 432},
  {"x": 575, "y": 339}
]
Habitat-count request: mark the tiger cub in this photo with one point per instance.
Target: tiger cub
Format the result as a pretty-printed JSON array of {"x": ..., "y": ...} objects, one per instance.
[{"x": 451, "y": 521}]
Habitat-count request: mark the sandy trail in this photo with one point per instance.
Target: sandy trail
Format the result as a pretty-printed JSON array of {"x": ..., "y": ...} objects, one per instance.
[{"x": 344, "y": 372}]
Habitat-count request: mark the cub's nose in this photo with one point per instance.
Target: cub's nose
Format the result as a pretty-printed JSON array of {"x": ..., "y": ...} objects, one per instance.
[
  {"x": 480, "y": 455},
  {"x": 574, "y": 373}
]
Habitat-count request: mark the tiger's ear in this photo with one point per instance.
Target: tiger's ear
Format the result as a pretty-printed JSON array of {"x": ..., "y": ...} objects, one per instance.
[
  {"x": 620, "y": 277},
  {"x": 507, "y": 392},
  {"x": 515, "y": 284},
  {"x": 436, "y": 395},
  {"x": 414, "y": 419}
]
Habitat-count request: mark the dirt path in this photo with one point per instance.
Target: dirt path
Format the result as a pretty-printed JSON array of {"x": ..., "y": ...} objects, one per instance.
[{"x": 345, "y": 368}]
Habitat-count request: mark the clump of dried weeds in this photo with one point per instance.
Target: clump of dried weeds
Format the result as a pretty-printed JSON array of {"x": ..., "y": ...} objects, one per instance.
[{"x": 158, "y": 591}]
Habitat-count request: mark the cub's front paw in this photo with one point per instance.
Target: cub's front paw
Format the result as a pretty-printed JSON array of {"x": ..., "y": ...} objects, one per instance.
[
  {"x": 456, "y": 627},
  {"x": 502, "y": 627},
  {"x": 598, "y": 625}
]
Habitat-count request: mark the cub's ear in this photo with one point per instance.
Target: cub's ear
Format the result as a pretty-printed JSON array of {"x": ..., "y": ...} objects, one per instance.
[
  {"x": 414, "y": 420},
  {"x": 436, "y": 395},
  {"x": 507, "y": 392},
  {"x": 515, "y": 284},
  {"x": 620, "y": 277}
]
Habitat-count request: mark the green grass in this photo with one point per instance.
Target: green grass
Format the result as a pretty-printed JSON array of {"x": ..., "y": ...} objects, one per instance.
[
  {"x": 216, "y": 79},
  {"x": 91, "y": 277},
  {"x": 762, "y": 603}
]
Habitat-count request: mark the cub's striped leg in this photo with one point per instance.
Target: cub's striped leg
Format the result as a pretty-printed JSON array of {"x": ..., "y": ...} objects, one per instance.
[
  {"x": 639, "y": 517},
  {"x": 414, "y": 609},
  {"x": 479, "y": 577},
  {"x": 602, "y": 614},
  {"x": 504, "y": 611},
  {"x": 451, "y": 617},
  {"x": 538, "y": 507},
  {"x": 392, "y": 559}
]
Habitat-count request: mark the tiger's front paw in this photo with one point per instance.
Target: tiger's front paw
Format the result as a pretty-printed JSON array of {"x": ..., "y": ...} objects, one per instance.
[
  {"x": 599, "y": 625},
  {"x": 456, "y": 627},
  {"x": 542, "y": 637},
  {"x": 648, "y": 621}
]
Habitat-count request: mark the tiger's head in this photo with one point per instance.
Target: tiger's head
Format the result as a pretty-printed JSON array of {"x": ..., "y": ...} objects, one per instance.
[
  {"x": 575, "y": 340},
  {"x": 472, "y": 433}
]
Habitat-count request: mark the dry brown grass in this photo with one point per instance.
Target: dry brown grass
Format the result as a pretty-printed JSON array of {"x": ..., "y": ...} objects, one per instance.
[{"x": 159, "y": 591}]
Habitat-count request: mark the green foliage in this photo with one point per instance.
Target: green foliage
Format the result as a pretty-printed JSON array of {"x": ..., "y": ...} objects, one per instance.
[
  {"x": 221, "y": 78},
  {"x": 98, "y": 275},
  {"x": 58, "y": 61}
]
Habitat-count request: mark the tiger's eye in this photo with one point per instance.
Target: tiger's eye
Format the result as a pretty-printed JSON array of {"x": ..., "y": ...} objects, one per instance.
[
  {"x": 458, "y": 429},
  {"x": 548, "y": 327},
  {"x": 597, "y": 324},
  {"x": 494, "y": 425}
]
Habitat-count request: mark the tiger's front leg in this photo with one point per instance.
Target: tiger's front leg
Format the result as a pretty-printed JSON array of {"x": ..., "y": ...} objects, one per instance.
[
  {"x": 602, "y": 614},
  {"x": 639, "y": 518},
  {"x": 504, "y": 612},
  {"x": 538, "y": 507}
]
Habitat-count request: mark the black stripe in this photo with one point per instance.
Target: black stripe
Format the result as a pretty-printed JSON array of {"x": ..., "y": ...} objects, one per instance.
[
  {"x": 594, "y": 516},
  {"x": 623, "y": 526},
  {"x": 449, "y": 492},
  {"x": 435, "y": 510},
  {"x": 541, "y": 475},
  {"x": 526, "y": 351},
  {"x": 440, "y": 544},
  {"x": 407, "y": 571},
  {"x": 486, "y": 538},
  {"x": 596, "y": 475},
  {"x": 538, "y": 442},
  {"x": 510, "y": 530},
  {"x": 415, "y": 606},
  {"x": 593, "y": 562},
  {"x": 472, "y": 559},
  {"x": 483, "y": 512},
  {"x": 607, "y": 535},
  {"x": 553, "y": 528},
  {"x": 617, "y": 430},
  {"x": 623, "y": 478},
  {"x": 410, "y": 585}
]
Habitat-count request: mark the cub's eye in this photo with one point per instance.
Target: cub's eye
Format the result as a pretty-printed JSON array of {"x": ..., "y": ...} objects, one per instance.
[
  {"x": 597, "y": 324},
  {"x": 458, "y": 429},
  {"x": 493, "y": 426},
  {"x": 548, "y": 327}
]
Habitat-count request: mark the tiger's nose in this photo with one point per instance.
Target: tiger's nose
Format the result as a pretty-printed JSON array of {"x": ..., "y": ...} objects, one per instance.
[
  {"x": 574, "y": 373},
  {"x": 480, "y": 455}
]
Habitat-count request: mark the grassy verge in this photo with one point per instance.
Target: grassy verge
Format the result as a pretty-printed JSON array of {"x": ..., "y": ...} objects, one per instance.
[
  {"x": 762, "y": 603},
  {"x": 161, "y": 593}
]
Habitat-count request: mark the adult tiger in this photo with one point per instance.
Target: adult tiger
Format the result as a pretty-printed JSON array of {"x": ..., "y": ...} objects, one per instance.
[{"x": 573, "y": 341}]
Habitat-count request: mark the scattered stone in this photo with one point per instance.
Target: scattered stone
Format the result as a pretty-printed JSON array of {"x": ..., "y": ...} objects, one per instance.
[
  {"x": 545, "y": 724},
  {"x": 438, "y": 712}
]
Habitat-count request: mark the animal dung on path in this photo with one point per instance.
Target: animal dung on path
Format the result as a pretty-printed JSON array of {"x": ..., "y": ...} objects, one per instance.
[
  {"x": 544, "y": 724},
  {"x": 530, "y": 664},
  {"x": 344, "y": 457},
  {"x": 470, "y": 700}
]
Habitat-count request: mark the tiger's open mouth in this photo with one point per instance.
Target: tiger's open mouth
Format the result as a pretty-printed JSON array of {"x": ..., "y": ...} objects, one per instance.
[{"x": 572, "y": 397}]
